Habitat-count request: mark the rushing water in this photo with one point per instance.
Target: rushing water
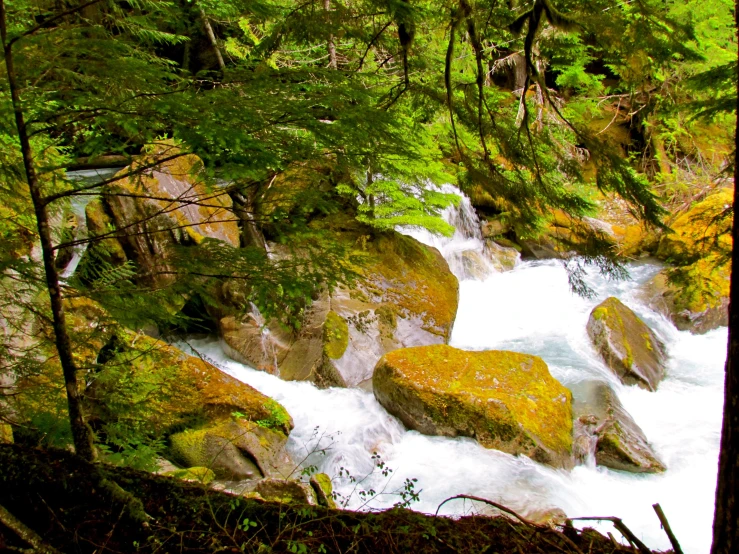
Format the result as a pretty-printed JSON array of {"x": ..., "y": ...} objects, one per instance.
[{"x": 532, "y": 310}]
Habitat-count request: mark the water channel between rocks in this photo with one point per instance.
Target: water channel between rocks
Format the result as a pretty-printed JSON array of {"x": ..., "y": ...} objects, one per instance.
[{"x": 529, "y": 309}]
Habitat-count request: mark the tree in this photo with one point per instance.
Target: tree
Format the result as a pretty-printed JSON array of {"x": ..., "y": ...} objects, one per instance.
[{"x": 726, "y": 516}]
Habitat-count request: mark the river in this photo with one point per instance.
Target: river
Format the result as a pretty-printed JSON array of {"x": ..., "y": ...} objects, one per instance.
[{"x": 529, "y": 309}]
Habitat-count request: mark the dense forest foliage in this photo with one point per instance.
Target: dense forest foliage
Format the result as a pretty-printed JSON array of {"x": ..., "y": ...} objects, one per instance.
[{"x": 301, "y": 118}]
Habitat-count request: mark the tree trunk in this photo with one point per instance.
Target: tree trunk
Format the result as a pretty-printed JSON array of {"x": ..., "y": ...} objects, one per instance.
[
  {"x": 213, "y": 41},
  {"x": 726, "y": 516},
  {"x": 81, "y": 432},
  {"x": 330, "y": 46},
  {"x": 244, "y": 207}
]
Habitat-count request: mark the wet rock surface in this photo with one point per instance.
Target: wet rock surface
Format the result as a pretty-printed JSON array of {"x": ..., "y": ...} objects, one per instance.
[
  {"x": 605, "y": 430},
  {"x": 505, "y": 400},
  {"x": 626, "y": 344}
]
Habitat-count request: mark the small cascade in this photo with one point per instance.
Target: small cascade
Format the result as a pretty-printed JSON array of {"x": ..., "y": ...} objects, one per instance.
[
  {"x": 78, "y": 205},
  {"x": 585, "y": 440},
  {"x": 269, "y": 350},
  {"x": 468, "y": 255},
  {"x": 530, "y": 309}
]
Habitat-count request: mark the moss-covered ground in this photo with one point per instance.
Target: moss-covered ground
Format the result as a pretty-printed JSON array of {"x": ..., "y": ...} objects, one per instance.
[{"x": 57, "y": 495}]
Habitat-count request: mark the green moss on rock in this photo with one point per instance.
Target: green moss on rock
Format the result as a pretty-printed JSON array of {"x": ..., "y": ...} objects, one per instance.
[
  {"x": 505, "y": 400},
  {"x": 6, "y": 434},
  {"x": 335, "y": 336},
  {"x": 323, "y": 489},
  {"x": 200, "y": 474},
  {"x": 626, "y": 344}
]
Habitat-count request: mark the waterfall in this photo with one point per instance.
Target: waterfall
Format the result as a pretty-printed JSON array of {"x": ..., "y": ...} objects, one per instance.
[
  {"x": 78, "y": 205},
  {"x": 529, "y": 309},
  {"x": 465, "y": 251}
]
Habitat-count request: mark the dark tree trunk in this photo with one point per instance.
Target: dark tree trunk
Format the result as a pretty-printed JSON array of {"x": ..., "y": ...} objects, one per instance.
[
  {"x": 81, "y": 432},
  {"x": 726, "y": 517}
]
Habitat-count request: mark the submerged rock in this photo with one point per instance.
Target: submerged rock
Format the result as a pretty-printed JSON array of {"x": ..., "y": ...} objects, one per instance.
[
  {"x": 626, "y": 344},
  {"x": 617, "y": 441},
  {"x": 505, "y": 400},
  {"x": 406, "y": 297}
]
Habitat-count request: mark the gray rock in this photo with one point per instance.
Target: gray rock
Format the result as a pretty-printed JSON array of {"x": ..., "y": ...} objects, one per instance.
[{"x": 605, "y": 430}]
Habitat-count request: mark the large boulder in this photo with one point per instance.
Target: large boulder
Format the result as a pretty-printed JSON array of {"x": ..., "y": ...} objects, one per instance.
[
  {"x": 627, "y": 345},
  {"x": 505, "y": 400},
  {"x": 406, "y": 296},
  {"x": 694, "y": 293},
  {"x": 604, "y": 429},
  {"x": 211, "y": 419},
  {"x": 170, "y": 204},
  {"x": 687, "y": 306}
]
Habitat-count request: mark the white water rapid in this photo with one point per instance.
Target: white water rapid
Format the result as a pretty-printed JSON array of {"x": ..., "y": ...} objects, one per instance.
[{"x": 532, "y": 310}]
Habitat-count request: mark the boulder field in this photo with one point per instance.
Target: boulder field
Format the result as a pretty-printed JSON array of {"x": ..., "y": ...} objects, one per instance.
[{"x": 505, "y": 400}]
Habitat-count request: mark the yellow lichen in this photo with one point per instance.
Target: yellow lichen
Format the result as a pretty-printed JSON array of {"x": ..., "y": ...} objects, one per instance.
[{"x": 508, "y": 388}]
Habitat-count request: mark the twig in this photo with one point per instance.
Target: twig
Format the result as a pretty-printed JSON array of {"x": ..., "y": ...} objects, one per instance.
[
  {"x": 666, "y": 526},
  {"x": 625, "y": 531},
  {"x": 490, "y": 503}
]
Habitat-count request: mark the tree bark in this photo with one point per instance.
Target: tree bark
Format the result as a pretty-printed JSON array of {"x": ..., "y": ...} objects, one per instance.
[
  {"x": 81, "y": 432},
  {"x": 213, "y": 41},
  {"x": 726, "y": 516},
  {"x": 331, "y": 46}
]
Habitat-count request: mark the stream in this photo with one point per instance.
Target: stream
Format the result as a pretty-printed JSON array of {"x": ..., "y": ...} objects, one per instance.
[{"x": 529, "y": 309}]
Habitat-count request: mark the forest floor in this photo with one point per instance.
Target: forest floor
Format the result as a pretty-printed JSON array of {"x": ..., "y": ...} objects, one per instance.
[{"x": 63, "y": 501}]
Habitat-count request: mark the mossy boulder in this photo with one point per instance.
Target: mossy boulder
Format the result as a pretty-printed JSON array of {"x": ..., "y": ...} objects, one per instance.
[
  {"x": 505, "y": 400},
  {"x": 171, "y": 389},
  {"x": 197, "y": 474},
  {"x": 689, "y": 307},
  {"x": 6, "y": 433},
  {"x": 702, "y": 229},
  {"x": 694, "y": 293},
  {"x": 286, "y": 491},
  {"x": 323, "y": 489},
  {"x": 627, "y": 345},
  {"x": 406, "y": 296},
  {"x": 233, "y": 449},
  {"x": 212, "y": 420},
  {"x": 168, "y": 205},
  {"x": 603, "y": 428}
]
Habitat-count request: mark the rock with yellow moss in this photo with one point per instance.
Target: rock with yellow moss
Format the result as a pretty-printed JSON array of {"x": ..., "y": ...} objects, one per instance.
[
  {"x": 627, "y": 345},
  {"x": 694, "y": 293},
  {"x": 6, "y": 434},
  {"x": 196, "y": 474},
  {"x": 229, "y": 427},
  {"x": 506, "y": 400},
  {"x": 170, "y": 204},
  {"x": 691, "y": 307},
  {"x": 406, "y": 296}
]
